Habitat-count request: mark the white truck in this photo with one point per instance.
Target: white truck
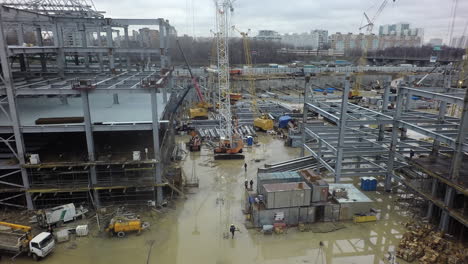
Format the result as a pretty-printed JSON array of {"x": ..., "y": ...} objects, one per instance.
[
  {"x": 58, "y": 215},
  {"x": 17, "y": 239}
]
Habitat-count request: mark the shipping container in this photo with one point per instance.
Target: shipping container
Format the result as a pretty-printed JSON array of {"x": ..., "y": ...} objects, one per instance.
[
  {"x": 281, "y": 195},
  {"x": 276, "y": 177}
]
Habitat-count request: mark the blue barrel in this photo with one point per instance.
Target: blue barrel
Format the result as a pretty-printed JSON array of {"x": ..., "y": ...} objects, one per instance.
[{"x": 249, "y": 141}]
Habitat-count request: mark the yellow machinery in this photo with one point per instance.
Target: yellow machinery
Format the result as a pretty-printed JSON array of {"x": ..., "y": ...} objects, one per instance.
[
  {"x": 263, "y": 123},
  {"x": 226, "y": 151},
  {"x": 198, "y": 113},
  {"x": 364, "y": 218},
  {"x": 120, "y": 225},
  {"x": 26, "y": 229}
]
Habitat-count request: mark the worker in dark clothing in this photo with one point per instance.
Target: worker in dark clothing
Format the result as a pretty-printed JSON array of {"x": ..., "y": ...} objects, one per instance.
[
  {"x": 411, "y": 154},
  {"x": 246, "y": 183},
  {"x": 232, "y": 229},
  {"x": 245, "y": 167},
  {"x": 251, "y": 184}
]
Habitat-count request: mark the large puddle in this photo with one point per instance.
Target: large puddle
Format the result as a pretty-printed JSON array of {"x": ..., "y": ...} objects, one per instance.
[{"x": 193, "y": 231}]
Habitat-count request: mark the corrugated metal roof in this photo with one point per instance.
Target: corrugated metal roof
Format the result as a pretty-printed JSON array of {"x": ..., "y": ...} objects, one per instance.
[{"x": 278, "y": 175}]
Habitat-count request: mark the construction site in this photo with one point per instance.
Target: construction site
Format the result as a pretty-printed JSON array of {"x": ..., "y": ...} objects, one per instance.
[{"x": 111, "y": 152}]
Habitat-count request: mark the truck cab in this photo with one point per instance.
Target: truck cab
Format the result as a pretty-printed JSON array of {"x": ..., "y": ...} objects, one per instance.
[{"x": 41, "y": 245}]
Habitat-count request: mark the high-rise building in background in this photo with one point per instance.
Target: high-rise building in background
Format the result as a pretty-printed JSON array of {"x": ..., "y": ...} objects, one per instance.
[
  {"x": 435, "y": 41},
  {"x": 315, "y": 39},
  {"x": 269, "y": 35},
  {"x": 402, "y": 30},
  {"x": 350, "y": 41}
]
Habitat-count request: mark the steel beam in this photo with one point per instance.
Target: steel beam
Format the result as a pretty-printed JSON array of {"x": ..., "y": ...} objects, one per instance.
[
  {"x": 157, "y": 152},
  {"x": 342, "y": 129},
  {"x": 9, "y": 87}
]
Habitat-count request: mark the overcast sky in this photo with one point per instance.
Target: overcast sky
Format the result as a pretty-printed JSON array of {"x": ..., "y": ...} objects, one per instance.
[{"x": 196, "y": 17}]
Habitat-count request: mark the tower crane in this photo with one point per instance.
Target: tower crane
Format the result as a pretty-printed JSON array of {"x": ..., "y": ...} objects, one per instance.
[
  {"x": 230, "y": 144},
  {"x": 355, "y": 93},
  {"x": 261, "y": 121}
]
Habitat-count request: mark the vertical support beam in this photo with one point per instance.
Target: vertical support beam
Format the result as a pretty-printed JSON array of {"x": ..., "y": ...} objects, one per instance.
[
  {"x": 90, "y": 143},
  {"x": 22, "y": 58},
  {"x": 163, "y": 49},
  {"x": 440, "y": 120},
  {"x": 110, "y": 45},
  {"x": 84, "y": 44},
  {"x": 99, "y": 44},
  {"x": 39, "y": 42},
  {"x": 385, "y": 100},
  {"x": 460, "y": 140},
  {"x": 433, "y": 194},
  {"x": 15, "y": 122},
  {"x": 127, "y": 45},
  {"x": 394, "y": 140},
  {"x": 342, "y": 129},
  {"x": 304, "y": 114},
  {"x": 157, "y": 154},
  {"x": 58, "y": 41}
]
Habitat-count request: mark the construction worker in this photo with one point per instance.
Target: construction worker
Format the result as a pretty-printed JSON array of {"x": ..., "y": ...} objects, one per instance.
[
  {"x": 251, "y": 184},
  {"x": 232, "y": 229},
  {"x": 411, "y": 154},
  {"x": 245, "y": 167},
  {"x": 246, "y": 184}
]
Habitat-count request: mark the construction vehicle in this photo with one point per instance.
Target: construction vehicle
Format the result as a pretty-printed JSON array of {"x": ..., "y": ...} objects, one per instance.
[
  {"x": 195, "y": 142},
  {"x": 58, "y": 215},
  {"x": 200, "y": 110},
  {"x": 17, "y": 239},
  {"x": 120, "y": 225},
  {"x": 229, "y": 149},
  {"x": 261, "y": 122}
]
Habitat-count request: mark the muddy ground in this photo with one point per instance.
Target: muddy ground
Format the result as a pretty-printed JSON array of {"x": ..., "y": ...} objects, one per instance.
[{"x": 191, "y": 231}]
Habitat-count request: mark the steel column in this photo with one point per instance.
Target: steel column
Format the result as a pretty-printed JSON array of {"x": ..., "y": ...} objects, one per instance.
[
  {"x": 157, "y": 151},
  {"x": 162, "y": 46},
  {"x": 441, "y": 118},
  {"x": 394, "y": 140},
  {"x": 110, "y": 45},
  {"x": 304, "y": 116},
  {"x": 90, "y": 143},
  {"x": 127, "y": 45},
  {"x": 9, "y": 87},
  {"x": 342, "y": 129},
  {"x": 40, "y": 43}
]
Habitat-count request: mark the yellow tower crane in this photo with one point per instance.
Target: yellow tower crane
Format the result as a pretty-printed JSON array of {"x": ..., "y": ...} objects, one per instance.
[{"x": 261, "y": 121}]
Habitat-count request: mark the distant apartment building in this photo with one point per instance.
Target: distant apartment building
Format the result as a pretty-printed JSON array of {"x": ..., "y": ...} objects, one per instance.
[
  {"x": 401, "y": 30},
  {"x": 350, "y": 41},
  {"x": 435, "y": 41},
  {"x": 315, "y": 39},
  {"x": 459, "y": 42},
  {"x": 268, "y": 35}
]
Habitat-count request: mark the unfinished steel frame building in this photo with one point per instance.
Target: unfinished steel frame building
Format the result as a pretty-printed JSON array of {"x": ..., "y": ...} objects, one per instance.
[
  {"x": 357, "y": 141},
  {"x": 83, "y": 109}
]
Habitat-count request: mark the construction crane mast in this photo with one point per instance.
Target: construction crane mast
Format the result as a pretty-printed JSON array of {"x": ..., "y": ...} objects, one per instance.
[{"x": 223, "y": 9}]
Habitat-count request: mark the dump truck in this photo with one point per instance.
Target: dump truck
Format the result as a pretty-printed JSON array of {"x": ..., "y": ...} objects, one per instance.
[
  {"x": 120, "y": 225},
  {"x": 17, "y": 239},
  {"x": 58, "y": 215}
]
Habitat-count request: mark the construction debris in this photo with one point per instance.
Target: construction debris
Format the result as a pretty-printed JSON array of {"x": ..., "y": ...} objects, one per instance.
[{"x": 429, "y": 247}]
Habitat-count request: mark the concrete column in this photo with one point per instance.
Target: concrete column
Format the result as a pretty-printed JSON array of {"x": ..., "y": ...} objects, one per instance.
[
  {"x": 157, "y": 155},
  {"x": 342, "y": 129},
  {"x": 110, "y": 45},
  {"x": 9, "y": 88},
  {"x": 127, "y": 45},
  {"x": 39, "y": 42},
  {"x": 90, "y": 144}
]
